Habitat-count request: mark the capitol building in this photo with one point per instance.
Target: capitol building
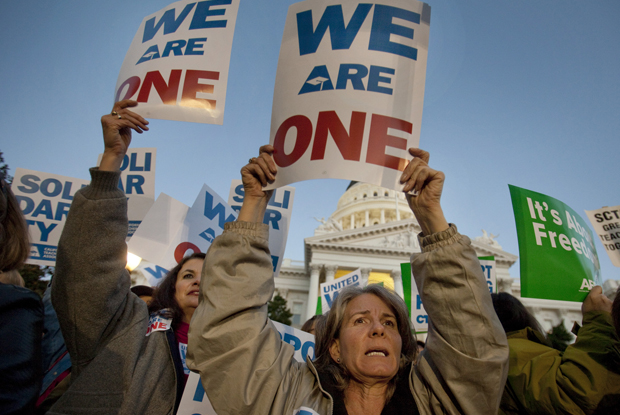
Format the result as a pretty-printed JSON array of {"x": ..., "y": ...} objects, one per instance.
[{"x": 373, "y": 228}]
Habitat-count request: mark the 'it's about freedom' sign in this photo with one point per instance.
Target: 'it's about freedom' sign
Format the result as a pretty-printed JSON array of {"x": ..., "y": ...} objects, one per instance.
[{"x": 558, "y": 256}]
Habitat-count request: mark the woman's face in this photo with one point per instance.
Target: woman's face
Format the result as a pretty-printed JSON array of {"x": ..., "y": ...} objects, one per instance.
[
  {"x": 369, "y": 344},
  {"x": 188, "y": 285}
]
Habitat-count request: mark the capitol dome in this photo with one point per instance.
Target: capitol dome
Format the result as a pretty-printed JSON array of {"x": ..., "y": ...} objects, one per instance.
[{"x": 365, "y": 204}]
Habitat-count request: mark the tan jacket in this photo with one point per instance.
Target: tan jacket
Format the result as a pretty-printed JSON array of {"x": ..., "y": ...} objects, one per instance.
[{"x": 246, "y": 369}]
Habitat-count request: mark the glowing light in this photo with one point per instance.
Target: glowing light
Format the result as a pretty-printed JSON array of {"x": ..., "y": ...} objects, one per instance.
[{"x": 132, "y": 261}]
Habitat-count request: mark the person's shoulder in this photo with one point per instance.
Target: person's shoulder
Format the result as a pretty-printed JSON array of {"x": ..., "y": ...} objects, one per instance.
[{"x": 10, "y": 293}]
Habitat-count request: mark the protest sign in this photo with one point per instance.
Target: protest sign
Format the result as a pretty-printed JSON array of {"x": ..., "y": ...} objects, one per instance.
[
  {"x": 44, "y": 199},
  {"x": 195, "y": 400},
  {"x": 278, "y": 216},
  {"x": 558, "y": 257},
  {"x": 331, "y": 289},
  {"x": 171, "y": 230},
  {"x": 138, "y": 182},
  {"x": 489, "y": 271},
  {"x": 419, "y": 317},
  {"x": 362, "y": 85},
  {"x": 606, "y": 223},
  {"x": 177, "y": 64}
]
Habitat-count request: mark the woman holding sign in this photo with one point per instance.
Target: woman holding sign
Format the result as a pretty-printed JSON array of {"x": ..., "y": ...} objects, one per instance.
[
  {"x": 124, "y": 360},
  {"x": 365, "y": 351}
]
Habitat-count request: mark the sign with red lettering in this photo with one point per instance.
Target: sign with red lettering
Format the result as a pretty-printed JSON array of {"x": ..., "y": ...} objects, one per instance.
[
  {"x": 349, "y": 90},
  {"x": 177, "y": 64}
]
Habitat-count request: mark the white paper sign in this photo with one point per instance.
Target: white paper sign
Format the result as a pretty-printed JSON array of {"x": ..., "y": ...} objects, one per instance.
[
  {"x": 278, "y": 216},
  {"x": 419, "y": 316},
  {"x": 331, "y": 289},
  {"x": 171, "y": 231},
  {"x": 44, "y": 199},
  {"x": 138, "y": 182},
  {"x": 195, "y": 401},
  {"x": 349, "y": 90},
  {"x": 489, "y": 270},
  {"x": 177, "y": 64},
  {"x": 606, "y": 224}
]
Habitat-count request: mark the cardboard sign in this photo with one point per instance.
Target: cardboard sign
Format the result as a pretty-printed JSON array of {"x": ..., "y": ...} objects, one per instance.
[
  {"x": 177, "y": 64},
  {"x": 349, "y": 90},
  {"x": 558, "y": 259},
  {"x": 44, "y": 199},
  {"x": 488, "y": 265},
  {"x": 330, "y": 290},
  {"x": 606, "y": 224},
  {"x": 278, "y": 216},
  {"x": 195, "y": 401},
  {"x": 138, "y": 182},
  {"x": 419, "y": 316},
  {"x": 171, "y": 230}
]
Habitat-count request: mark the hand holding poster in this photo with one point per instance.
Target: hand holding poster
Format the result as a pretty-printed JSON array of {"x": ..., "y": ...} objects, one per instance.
[
  {"x": 177, "y": 64},
  {"x": 331, "y": 289},
  {"x": 558, "y": 256},
  {"x": 606, "y": 223},
  {"x": 362, "y": 85}
]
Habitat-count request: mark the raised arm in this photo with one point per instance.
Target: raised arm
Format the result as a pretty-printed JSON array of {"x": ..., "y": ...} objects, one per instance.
[
  {"x": 465, "y": 362},
  {"x": 90, "y": 288}
]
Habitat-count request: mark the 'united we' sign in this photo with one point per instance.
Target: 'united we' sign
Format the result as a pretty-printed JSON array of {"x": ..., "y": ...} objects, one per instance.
[{"x": 349, "y": 90}]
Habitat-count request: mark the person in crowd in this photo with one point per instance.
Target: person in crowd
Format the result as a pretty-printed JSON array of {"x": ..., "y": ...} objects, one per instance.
[
  {"x": 364, "y": 355},
  {"x": 144, "y": 292},
  {"x": 21, "y": 315},
  {"x": 310, "y": 325},
  {"x": 124, "y": 360},
  {"x": 12, "y": 277},
  {"x": 584, "y": 379}
]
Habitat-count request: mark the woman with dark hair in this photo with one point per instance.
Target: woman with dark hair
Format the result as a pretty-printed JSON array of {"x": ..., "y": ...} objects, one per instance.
[
  {"x": 584, "y": 379},
  {"x": 21, "y": 315},
  {"x": 124, "y": 358},
  {"x": 365, "y": 351}
]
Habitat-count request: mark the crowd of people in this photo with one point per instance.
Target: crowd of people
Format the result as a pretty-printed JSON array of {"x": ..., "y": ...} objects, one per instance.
[{"x": 94, "y": 345}]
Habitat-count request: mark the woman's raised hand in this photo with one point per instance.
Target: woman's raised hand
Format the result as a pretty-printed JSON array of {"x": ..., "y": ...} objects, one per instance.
[
  {"x": 427, "y": 184},
  {"x": 117, "y": 128},
  {"x": 255, "y": 175}
]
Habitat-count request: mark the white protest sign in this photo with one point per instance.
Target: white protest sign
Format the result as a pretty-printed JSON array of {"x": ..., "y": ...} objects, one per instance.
[
  {"x": 171, "y": 231},
  {"x": 177, "y": 64},
  {"x": 195, "y": 401},
  {"x": 606, "y": 224},
  {"x": 489, "y": 268},
  {"x": 349, "y": 90},
  {"x": 278, "y": 216},
  {"x": 44, "y": 199},
  {"x": 419, "y": 316},
  {"x": 331, "y": 289},
  {"x": 138, "y": 182}
]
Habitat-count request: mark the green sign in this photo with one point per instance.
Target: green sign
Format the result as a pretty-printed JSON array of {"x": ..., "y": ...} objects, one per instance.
[{"x": 558, "y": 259}]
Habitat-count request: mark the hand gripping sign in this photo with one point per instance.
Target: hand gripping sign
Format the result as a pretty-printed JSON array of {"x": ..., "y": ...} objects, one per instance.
[
  {"x": 195, "y": 400},
  {"x": 606, "y": 223},
  {"x": 349, "y": 90},
  {"x": 558, "y": 256},
  {"x": 177, "y": 64}
]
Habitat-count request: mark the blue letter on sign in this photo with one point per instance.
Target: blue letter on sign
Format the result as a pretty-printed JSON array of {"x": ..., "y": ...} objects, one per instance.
[
  {"x": 167, "y": 20},
  {"x": 341, "y": 36},
  {"x": 383, "y": 28}
]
